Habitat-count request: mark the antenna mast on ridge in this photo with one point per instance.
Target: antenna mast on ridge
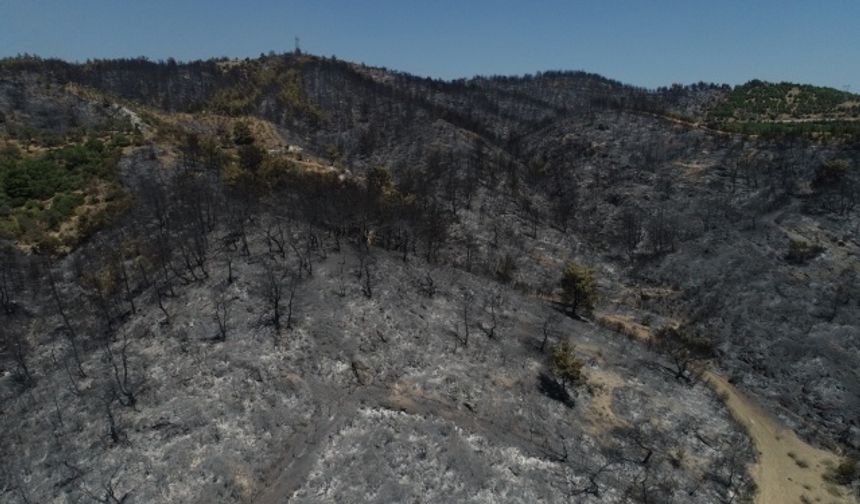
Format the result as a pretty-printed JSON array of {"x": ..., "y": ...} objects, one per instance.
[{"x": 298, "y": 49}]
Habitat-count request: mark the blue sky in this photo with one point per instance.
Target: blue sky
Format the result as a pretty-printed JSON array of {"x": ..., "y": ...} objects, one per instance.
[{"x": 645, "y": 42}]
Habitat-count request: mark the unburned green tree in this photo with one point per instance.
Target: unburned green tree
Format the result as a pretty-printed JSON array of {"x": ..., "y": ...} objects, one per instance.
[
  {"x": 251, "y": 157},
  {"x": 579, "y": 287},
  {"x": 565, "y": 366},
  {"x": 379, "y": 181},
  {"x": 242, "y": 134}
]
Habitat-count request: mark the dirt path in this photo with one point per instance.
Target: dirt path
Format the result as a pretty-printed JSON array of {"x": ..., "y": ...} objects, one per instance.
[{"x": 787, "y": 469}]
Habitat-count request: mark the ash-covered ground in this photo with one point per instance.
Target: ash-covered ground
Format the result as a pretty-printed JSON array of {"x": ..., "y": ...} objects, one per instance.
[
  {"x": 364, "y": 398},
  {"x": 371, "y": 319}
]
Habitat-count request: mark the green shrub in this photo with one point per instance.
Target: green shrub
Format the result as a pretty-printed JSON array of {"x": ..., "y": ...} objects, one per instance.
[
  {"x": 242, "y": 134},
  {"x": 64, "y": 204},
  {"x": 38, "y": 194},
  {"x": 34, "y": 179},
  {"x": 120, "y": 141}
]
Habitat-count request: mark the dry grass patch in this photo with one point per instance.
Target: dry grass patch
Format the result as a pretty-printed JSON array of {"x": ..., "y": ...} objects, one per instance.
[
  {"x": 602, "y": 384},
  {"x": 625, "y": 325}
]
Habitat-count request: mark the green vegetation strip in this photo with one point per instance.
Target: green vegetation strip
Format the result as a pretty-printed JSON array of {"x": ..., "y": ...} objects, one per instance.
[{"x": 39, "y": 192}]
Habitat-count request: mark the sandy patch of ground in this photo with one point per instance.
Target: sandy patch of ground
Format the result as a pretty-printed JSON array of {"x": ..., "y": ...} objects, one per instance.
[
  {"x": 603, "y": 383},
  {"x": 694, "y": 169},
  {"x": 788, "y": 469}
]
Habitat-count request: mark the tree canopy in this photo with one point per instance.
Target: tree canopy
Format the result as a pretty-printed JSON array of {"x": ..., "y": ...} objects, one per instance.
[{"x": 579, "y": 287}]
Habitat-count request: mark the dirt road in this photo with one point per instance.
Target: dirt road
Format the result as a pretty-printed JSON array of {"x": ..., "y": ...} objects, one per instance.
[{"x": 787, "y": 469}]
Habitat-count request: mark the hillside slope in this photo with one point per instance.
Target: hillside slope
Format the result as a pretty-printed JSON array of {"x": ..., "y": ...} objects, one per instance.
[{"x": 308, "y": 249}]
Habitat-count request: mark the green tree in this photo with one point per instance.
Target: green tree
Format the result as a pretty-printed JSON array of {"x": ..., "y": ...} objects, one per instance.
[
  {"x": 566, "y": 367},
  {"x": 579, "y": 287},
  {"x": 242, "y": 134},
  {"x": 251, "y": 157},
  {"x": 379, "y": 181}
]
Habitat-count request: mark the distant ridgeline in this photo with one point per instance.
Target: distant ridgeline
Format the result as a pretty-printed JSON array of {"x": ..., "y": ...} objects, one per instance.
[
  {"x": 277, "y": 85},
  {"x": 764, "y": 108}
]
